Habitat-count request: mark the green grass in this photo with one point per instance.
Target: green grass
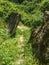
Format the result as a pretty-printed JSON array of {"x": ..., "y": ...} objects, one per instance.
[{"x": 10, "y": 50}]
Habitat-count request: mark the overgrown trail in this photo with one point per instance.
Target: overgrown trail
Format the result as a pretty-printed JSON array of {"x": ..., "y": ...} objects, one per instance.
[
  {"x": 21, "y": 44},
  {"x": 20, "y": 61},
  {"x": 17, "y": 50}
]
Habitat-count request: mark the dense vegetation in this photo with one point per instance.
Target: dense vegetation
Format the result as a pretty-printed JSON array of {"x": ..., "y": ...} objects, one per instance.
[{"x": 32, "y": 14}]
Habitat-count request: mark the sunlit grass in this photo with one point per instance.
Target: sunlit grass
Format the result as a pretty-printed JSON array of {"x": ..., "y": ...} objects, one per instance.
[{"x": 17, "y": 49}]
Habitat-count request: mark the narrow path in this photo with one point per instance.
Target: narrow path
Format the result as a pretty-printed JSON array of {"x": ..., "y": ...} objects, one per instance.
[
  {"x": 16, "y": 47},
  {"x": 21, "y": 45}
]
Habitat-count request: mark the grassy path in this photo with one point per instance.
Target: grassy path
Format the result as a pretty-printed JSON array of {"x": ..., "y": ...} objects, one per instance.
[
  {"x": 20, "y": 61},
  {"x": 16, "y": 51},
  {"x": 22, "y": 39}
]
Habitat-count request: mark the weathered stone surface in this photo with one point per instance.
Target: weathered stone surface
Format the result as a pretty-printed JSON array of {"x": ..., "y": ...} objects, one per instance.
[
  {"x": 40, "y": 42},
  {"x": 13, "y": 22}
]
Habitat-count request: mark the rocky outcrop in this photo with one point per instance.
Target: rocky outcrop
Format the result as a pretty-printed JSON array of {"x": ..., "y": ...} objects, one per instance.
[{"x": 40, "y": 41}]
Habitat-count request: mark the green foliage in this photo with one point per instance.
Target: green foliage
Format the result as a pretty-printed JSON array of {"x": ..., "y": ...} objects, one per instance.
[
  {"x": 8, "y": 53},
  {"x": 31, "y": 12},
  {"x": 9, "y": 50},
  {"x": 6, "y": 8}
]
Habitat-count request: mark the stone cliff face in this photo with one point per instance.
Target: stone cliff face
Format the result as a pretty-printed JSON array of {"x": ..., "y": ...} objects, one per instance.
[
  {"x": 43, "y": 44},
  {"x": 40, "y": 42},
  {"x": 13, "y": 23}
]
